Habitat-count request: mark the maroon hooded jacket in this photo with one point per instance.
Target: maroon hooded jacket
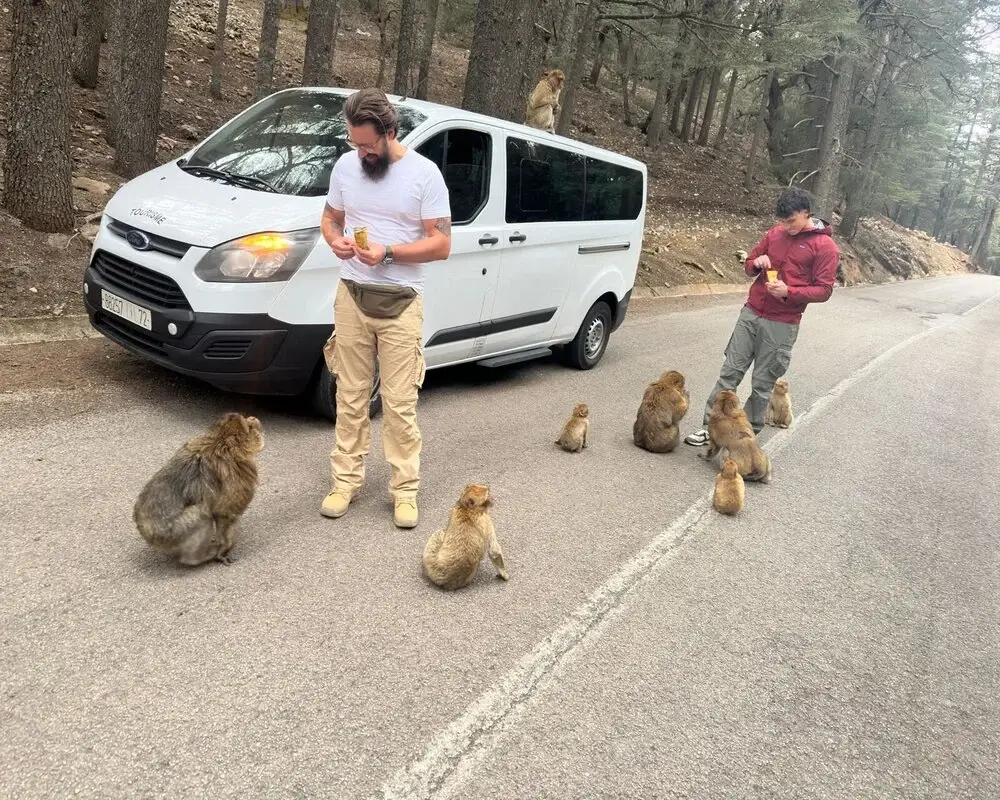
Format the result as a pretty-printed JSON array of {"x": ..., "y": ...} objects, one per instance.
[{"x": 806, "y": 262}]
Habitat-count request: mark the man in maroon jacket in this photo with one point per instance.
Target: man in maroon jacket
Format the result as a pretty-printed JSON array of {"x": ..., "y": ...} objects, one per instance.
[{"x": 793, "y": 265}]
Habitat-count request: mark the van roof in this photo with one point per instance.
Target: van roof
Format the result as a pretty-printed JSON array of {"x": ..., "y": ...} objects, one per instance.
[{"x": 438, "y": 112}]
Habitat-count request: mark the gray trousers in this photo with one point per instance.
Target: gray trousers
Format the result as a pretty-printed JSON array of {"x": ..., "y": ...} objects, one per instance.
[{"x": 765, "y": 344}]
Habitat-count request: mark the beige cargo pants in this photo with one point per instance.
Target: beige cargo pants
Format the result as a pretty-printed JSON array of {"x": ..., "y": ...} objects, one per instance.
[{"x": 350, "y": 356}]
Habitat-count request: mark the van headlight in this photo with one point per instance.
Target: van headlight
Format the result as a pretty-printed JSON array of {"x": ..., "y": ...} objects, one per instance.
[{"x": 259, "y": 257}]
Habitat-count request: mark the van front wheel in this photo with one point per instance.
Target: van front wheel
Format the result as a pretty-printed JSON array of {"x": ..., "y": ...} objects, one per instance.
[
  {"x": 325, "y": 394},
  {"x": 592, "y": 339}
]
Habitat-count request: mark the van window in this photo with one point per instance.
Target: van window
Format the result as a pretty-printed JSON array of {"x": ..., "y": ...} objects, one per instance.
[
  {"x": 549, "y": 184},
  {"x": 544, "y": 184},
  {"x": 463, "y": 156},
  {"x": 613, "y": 191},
  {"x": 291, "y": 140}
]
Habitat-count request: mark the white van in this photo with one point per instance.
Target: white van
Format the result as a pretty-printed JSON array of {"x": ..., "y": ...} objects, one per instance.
[{"x": 546, "y": 236}]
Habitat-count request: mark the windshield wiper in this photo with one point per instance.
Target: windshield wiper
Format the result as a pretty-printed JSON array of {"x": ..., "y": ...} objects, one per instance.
[{"x": 247, "y": 181}]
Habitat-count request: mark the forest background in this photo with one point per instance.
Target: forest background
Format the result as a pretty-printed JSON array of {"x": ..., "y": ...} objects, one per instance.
[{"x": 887, "y": 110}]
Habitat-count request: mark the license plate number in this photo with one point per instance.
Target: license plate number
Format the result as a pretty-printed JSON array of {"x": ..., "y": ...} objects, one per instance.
[{"x": 126, "y": 309}]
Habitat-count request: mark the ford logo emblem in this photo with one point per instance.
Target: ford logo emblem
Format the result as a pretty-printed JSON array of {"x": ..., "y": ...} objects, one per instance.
[{"x": 137, "y": 239}]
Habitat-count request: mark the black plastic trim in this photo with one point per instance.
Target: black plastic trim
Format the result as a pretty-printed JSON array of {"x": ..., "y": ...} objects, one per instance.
[
  {"x": 502, "y": 325},
  {"x": 620, "y": 310}
]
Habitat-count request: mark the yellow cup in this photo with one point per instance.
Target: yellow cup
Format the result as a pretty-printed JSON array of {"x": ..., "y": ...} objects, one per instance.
[
  {"x": 361, "y": 237},
  {"x": 772, "y": 275}
]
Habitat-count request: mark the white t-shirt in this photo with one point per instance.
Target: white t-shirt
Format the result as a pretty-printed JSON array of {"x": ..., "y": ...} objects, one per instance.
[{"x": 393, "y": 208}]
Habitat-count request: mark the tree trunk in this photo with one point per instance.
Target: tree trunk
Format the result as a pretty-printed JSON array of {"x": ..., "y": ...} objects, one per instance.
[
  {"x": 724, "y": 122},
  {"x": 759, "y": 131},
  {"x": 626, "y": 54},
  {"x": 112, "y": 17},
  {"x": 694, "y": 98},
  {"x": 87, "y": 47},
  {"x": 219, "y": 56},
  {"x": 426, "y": 47},
  {"x": 595, "y": 73},
  {"x": 857, "y": 200},
  {"x": 268, "y": 49},
  {"x": 385, "y": 45},
  {"x": 565, "y": 31},
  {"x": 817, "y": 110},
  {"x": 713, "y": 94},
  {"x": 675, "y": 107},
  {"x": 831, "y": 141},
  {"x": 143, "y": 37},
  {"x": 405, "y": 39},
  {"x": 663, "y": 85},
  {"x": 318, "y": 62},
  {"x": 503, "y": 52},
  {"x": 575, "y": 78},
  {"x": 38, "y": 170}
]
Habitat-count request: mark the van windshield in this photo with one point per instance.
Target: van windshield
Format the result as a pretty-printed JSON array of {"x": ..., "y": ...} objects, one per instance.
[{"x": 289, "y": 142}]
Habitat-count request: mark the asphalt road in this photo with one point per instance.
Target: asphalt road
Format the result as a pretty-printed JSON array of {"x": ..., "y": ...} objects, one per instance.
[{"x": 839, "y": 639}]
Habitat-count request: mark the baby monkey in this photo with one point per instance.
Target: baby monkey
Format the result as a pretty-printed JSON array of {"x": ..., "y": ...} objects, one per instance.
[
  {"x": 779, "y": 409},
  {"x": 574, "y": 433},
  {"x": 451, "y": 557},
  {"x": 190, "y": 507},
  {"x": 730, "y": 490}
]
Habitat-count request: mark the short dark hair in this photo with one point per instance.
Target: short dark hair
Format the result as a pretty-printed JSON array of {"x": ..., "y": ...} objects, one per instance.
[
  {"x": 791, "y": 200},
  {"x": 371, "y": 107}
]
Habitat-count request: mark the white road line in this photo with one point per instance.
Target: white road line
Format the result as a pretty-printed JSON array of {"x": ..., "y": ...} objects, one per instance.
[{"x": 451, "y": 754}]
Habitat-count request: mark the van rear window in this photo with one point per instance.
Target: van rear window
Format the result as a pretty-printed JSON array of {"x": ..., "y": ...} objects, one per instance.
[
  {"x": 291, "y": 141},
  {"x": 550, "y": 184}
]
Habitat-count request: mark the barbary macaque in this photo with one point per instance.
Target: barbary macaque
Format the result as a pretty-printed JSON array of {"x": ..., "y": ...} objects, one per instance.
[
  {"x": 451, "y": 556},
  {"x": 543, "y": 103},
  {"x": 573, "y": 437},
  {"x": 189, "y": 508}
]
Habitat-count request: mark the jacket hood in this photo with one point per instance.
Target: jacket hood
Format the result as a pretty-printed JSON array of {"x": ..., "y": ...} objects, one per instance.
[{"x": 820, "y": 226}]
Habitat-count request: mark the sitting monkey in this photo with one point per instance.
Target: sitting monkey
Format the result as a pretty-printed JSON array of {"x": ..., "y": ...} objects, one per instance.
[{"x": 190, "y": 507}]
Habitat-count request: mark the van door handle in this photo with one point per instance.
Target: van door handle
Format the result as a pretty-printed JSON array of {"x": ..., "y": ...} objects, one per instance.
[
  {"x": 518, "y": 237},
  {"x": 488, "y": 240}
]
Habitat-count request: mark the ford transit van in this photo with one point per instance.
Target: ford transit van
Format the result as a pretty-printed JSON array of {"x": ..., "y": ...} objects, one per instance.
[{"x": 213, "y": 265}]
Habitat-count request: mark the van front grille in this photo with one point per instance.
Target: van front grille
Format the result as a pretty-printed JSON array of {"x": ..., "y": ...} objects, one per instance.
[{"x": 144, "y": 284}]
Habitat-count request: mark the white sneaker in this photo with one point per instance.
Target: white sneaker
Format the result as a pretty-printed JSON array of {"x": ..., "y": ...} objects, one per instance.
[{"x": 697, "y": 439}]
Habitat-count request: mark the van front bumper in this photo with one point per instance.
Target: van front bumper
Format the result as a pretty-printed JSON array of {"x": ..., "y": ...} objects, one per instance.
[{"x": 243, "y": 353}]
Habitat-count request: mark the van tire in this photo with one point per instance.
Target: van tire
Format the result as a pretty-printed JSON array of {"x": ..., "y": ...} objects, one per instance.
[
  {"x": 591, "y": 340},
  {"x": 325, "y": 394}
]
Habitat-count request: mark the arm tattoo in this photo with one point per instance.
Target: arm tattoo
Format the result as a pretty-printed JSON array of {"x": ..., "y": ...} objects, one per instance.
[{"x": 444, "y": 225}]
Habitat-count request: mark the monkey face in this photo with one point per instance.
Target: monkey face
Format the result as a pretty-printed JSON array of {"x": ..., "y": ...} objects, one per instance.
[
  {"x": 556, "y": 78},
  {"x": 727, "y": 402},
  {"x": 781, "y": 386},
  {"x": 581, "y": 410},
  {"x": 729, "y": 469},
  {"x": 476, "y": 495}
]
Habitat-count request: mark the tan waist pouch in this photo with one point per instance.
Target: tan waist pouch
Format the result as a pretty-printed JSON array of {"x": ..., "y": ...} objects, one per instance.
[{"x": 380, "y": 300}]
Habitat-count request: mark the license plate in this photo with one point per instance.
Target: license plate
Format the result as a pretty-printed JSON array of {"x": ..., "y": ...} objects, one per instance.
[{"x": 126, "y": 309}]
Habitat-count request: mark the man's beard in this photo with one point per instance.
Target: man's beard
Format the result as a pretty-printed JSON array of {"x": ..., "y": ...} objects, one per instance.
[{"x": 376, "y": 169}]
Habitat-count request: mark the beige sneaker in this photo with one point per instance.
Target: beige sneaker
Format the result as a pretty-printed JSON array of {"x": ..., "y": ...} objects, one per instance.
[
  {"x": 405, "y": 514},
  {"x": 335, "y": 504}
]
